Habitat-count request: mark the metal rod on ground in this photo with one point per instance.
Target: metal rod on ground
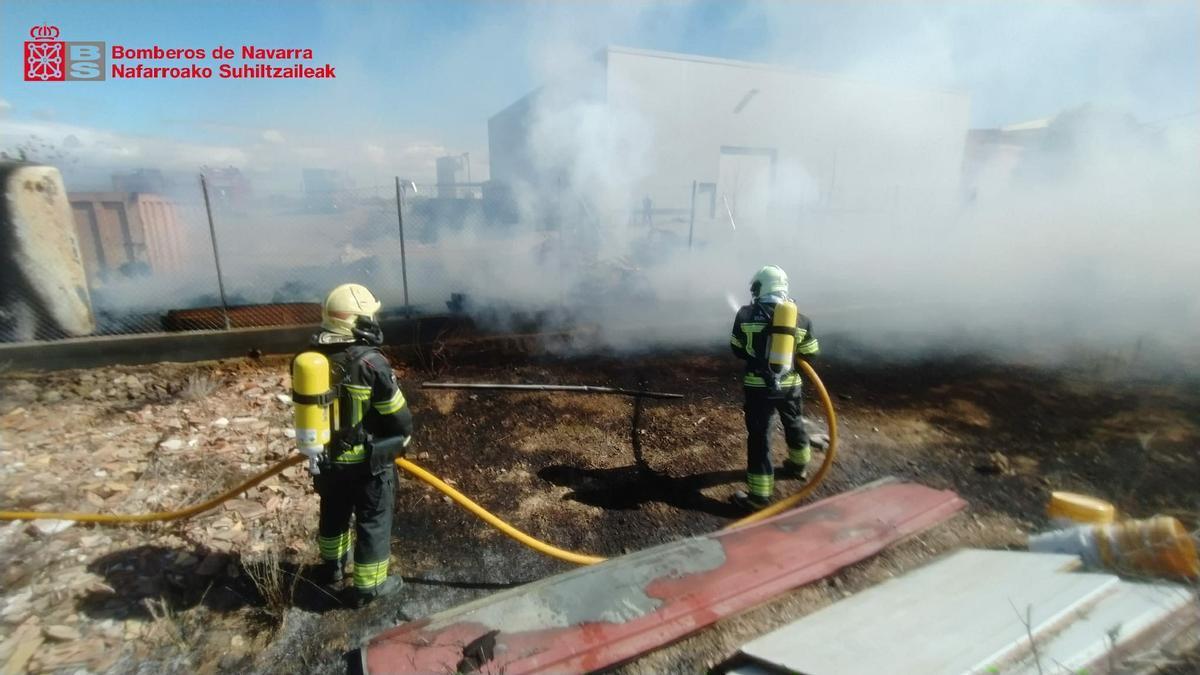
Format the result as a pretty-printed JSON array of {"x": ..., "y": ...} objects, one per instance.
[
  {"x": 403, "y": 259},
  {"x": 212, "y": 232},
  {"x": 578, "y": 388}
]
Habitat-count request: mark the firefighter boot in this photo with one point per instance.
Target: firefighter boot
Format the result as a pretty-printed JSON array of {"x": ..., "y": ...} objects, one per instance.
[
  {"x": 748, "y": 502},
  {"x": 365, "y": 596},
  {"x": 796, "y": 464},
  {"x": 795, "y": 469},
  {"x": 330, "y": 573}
]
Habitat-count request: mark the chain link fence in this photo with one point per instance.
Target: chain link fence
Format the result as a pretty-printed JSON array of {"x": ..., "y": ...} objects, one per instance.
[{"x": 214, "y": 256}]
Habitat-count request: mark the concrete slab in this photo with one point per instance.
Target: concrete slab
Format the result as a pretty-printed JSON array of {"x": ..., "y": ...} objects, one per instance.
[
  {"x": 962, "y": 614},
  {"x": 599, "y": 616}
]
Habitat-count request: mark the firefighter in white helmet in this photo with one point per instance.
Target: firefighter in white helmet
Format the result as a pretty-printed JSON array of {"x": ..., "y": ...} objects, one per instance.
[
  {"x": 371, "y": 425},
  {"x": 770, "y": 382}
]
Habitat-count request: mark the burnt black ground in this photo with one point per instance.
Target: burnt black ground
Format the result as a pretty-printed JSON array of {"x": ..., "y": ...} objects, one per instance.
[
  {"x": 605, "y": 475},
  {"x": 602, "y": 475}
]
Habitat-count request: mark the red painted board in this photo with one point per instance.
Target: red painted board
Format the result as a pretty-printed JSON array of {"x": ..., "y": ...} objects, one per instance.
[{"x": 599, "y": 616}]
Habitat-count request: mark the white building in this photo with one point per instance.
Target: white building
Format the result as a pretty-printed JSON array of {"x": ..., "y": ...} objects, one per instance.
[{"x": 753, "y": 137}]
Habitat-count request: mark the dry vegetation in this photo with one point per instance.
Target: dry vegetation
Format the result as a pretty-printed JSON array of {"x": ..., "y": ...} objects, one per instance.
[{"x": 227, "y": 591}]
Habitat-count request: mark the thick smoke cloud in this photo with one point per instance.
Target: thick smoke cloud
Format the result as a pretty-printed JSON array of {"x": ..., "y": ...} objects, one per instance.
[
  {"x": 1078, "y": 237},
  {"x": 1084, "y": 243}
]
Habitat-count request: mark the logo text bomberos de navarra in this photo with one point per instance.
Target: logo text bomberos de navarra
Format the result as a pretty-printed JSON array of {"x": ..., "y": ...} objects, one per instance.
[
  {"x": 48, "y": 59},
  {"x": 292, "y": 70}
]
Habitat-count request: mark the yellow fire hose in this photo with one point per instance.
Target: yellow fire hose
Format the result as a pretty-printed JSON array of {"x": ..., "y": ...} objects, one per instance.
[
  {"x": 487, "y": 517},
  {"x": 157, "y": 516},
  {"x": 461, "y": 499}
]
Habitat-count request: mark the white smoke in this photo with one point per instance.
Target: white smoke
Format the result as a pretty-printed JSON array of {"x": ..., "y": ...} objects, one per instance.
[
  {"x": 1082, "y": 238},
  {"x": 1087, "y": 241}
]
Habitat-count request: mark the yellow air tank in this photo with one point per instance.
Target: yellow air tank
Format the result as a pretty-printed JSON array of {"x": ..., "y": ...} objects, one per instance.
[
  {"x": 312, "y": 397},
  {"x": 781, "y": 349}
]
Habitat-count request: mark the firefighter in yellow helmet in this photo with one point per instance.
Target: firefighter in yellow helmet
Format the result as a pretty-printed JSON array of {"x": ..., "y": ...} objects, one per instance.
[
  {"x": 371, "y": 425},
  {"x": 771, "y": 384}
]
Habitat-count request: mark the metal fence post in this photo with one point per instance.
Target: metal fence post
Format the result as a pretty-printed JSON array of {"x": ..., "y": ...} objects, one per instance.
[
  {"x": 692, "y": 218},
  {"x": 403, "y": 259},
  {"x": 212, "y": 232}
]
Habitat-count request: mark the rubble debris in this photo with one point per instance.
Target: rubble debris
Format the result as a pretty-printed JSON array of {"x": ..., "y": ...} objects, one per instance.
[
  {"x": 1154, "y": 547},
  {"x": 127, "y": 442},
  {"x": 994, "y": 463},
  {"x": 17, "y": 607},
  {"x": 82, "y": 653},
  {"x": 21, "y": 647},
  {"x": 62, "y": 633},
  {"x": 45, "y": 528},
  {"x": 247, "y": 509}
]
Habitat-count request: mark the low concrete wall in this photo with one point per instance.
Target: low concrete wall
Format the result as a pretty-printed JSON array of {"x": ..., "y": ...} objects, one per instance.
[{"x": 92, "y": 352}]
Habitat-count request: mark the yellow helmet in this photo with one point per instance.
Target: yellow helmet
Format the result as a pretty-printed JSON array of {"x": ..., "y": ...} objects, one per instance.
[{"x": 344, "y": 305}]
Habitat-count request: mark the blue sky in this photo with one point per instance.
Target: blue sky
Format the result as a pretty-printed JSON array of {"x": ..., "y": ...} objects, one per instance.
[{"x": 418, "y": 79}]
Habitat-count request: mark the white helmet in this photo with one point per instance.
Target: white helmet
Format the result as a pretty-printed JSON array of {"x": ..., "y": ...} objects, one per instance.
[
  {"x": 343, "y": 307},
  {"x": 768, "y": 280}
]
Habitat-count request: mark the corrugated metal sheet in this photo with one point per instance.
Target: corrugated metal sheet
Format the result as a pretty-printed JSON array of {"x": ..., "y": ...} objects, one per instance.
[
  {"x": 120, "y": 231},
  {"x": 599, "y": 616},
  {"x": 165, "y": 233},
  {"x": 973, "y": 612},
  {"x": 1134, "y": 618}
]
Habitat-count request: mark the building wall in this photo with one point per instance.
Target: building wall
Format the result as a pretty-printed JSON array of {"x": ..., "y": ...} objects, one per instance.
[
  {"x": 855, "y": 144},
  {"x": 450, "y": 172},
  {"x": 516, "y": 153},
  {"x": 508, "y": 141},
  {"x": 823, "y": 140}
]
